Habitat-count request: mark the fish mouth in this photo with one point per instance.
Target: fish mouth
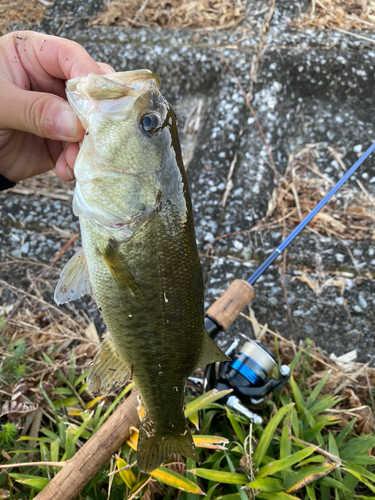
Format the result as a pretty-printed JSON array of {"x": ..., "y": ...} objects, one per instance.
[
  {"x": 114, "y": 85},
  {"x": 140, "y": 79},
  {"x": 98, "y": 93}
]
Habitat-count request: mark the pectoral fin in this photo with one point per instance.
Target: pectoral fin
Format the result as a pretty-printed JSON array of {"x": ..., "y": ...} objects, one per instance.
[
  {"x": 120, "y": 271},
  {"x": 210, "y": 352},
  {"x": 74, "y": 280},
  {"x": 108, "y": 372}
]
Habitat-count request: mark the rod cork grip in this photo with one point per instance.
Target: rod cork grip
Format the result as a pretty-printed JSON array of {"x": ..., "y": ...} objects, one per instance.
[{"x": 226, "y": 309}]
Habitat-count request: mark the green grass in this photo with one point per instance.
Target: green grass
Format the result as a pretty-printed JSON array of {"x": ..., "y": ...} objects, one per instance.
[{"x": 300, "y": 451}]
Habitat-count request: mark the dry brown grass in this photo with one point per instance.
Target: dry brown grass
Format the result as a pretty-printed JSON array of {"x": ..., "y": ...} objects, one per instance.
[
  {"x": 63, "y": 333},
  {"x": 21, "y": 12},
  {"x": 46, "y": 329},
  {"x": 349, "y": 216},
  {"x": 47, "y": 185},
  {"x": 173, "y": 14},
  {"x": 338, "y": 14}
]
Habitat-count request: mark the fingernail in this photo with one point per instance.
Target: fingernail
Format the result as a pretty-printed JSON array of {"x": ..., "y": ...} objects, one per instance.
[
  {"x": 66, "y": 123},
  {"x": 70, "y": 172}
]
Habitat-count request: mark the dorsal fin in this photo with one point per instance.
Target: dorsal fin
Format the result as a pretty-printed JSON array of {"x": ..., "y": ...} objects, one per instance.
[
  {"x": 108, "y": 372},
  {"x": 74, "y": 280}
]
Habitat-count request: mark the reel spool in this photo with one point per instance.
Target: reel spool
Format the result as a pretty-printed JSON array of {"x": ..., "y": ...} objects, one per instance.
[{"x": 248, "y": 375}]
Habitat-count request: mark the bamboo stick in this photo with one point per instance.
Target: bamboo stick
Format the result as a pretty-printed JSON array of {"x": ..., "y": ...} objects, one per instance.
[{"x": 86, "y": 463}]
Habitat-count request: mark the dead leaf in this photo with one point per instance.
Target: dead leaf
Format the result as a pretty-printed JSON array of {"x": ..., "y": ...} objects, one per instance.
[
  {"x": 313, "y": 284},
  {"x": 91, "y": 333},
  {"x": 365, "y": 424},
  {"x": 16, "y": 408},
  {"x": 352, "y": 399}
]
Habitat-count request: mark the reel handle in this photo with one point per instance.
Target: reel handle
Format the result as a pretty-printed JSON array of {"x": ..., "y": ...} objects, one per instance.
[{"x": 226, "y": 309}]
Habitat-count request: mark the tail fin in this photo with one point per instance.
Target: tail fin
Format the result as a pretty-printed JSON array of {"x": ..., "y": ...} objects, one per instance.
[{"x": 154, "y": 446}]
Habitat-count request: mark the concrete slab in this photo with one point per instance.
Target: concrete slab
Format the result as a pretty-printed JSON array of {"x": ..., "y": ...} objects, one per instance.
[{"x": 308, "y": 87}]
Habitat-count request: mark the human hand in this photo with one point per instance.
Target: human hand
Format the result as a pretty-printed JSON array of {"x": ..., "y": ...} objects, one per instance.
[{"x": 38, "y": 129}]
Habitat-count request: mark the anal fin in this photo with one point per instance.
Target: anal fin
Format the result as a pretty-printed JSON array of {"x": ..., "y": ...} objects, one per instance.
[
  {"x": 210, "y": 352},
  {"x": 74, "y": 280},
  {"x": 108, "y": 372}
]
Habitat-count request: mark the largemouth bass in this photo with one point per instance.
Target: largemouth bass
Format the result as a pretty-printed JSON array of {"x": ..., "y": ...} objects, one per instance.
[{"x": 139, "y": 255}]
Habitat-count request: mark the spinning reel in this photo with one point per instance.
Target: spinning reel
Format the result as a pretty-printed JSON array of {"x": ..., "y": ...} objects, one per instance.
[{"x": 248, "y": 375}]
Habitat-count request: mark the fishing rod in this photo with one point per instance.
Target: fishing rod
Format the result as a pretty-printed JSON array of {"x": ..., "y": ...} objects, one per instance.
[
  {"x": 249, "y": 367},
  {"x": 225, "y": 310}
]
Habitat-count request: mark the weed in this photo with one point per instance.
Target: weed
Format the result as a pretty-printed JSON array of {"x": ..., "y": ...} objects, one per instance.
[
  {"x": 8, "y": 434},
  {"x": 301, "y": 452},
  {"x": 12, "y": 368},
  {"x": 312, "y": 444}
]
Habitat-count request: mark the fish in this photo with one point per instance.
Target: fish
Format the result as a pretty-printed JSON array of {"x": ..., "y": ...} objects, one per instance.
[{"x": 139, "y": 257}]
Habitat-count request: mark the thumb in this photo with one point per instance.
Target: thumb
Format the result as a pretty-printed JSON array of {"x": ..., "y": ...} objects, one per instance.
[{"x": 39, "y": 113}]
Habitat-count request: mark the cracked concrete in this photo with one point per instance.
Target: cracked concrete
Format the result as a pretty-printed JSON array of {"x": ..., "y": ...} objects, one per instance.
[{"x": 307, "y": 87}]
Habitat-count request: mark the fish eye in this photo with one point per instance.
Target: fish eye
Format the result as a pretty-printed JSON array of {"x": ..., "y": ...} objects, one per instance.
[{"x": 150, "y": 123}]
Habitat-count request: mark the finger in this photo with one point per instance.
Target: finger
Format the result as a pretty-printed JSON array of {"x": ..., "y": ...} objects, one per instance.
[
  {"x": 63, "y": 170},
  {"x": 59, "y": 88},
  {"x": 55, "y": 149},
  {"x": 71, "y": 154},
  {"x": 105, "y": 69},
  {"x": 24, "y": 155},
  {"x": 45, "y": 58},
  {"x": 65, "y": 163},
  {"x": 42, "y": 114}
]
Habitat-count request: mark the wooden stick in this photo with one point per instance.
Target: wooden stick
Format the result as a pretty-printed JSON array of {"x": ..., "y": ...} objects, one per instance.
[{"x": 88, "y": 461}]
